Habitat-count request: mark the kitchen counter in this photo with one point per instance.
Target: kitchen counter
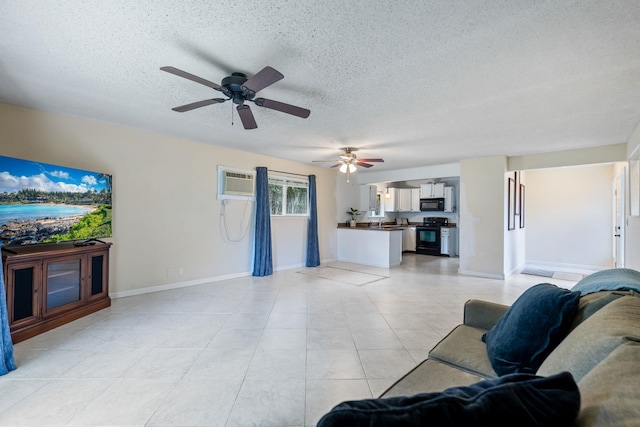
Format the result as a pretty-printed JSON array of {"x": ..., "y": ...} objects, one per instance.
[
  {"x": 378, "y": 227},
  {"x": 366, "y": 226},
  {"x": 375, "y": 246}
]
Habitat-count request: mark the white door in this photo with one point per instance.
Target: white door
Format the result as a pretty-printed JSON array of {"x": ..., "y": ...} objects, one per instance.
[{"x": 618, "y": 222}]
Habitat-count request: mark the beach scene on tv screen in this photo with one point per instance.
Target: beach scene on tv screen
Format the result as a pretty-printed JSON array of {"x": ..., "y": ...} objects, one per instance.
[{"x": 44, "y": 203}]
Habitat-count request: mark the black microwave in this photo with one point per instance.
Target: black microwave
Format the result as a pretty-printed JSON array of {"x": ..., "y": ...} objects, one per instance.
[{"x": 432, "y": 205}]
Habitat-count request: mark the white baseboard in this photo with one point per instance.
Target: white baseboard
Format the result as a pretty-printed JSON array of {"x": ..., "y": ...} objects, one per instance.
[
  {"x": 288, "y": 267},
  {"x": 480, "y": 274},
  {"x": 515, "y": 271},
  {"x": 569, "y": 268},
  {"x": 301, "y": 265},
  {"x": 177, "y": 285}
]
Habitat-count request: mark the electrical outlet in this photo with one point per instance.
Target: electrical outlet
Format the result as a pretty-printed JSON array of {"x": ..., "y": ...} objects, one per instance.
[
  {"x": 169, "y": 273},
  {"x": 180, "y": 271}
]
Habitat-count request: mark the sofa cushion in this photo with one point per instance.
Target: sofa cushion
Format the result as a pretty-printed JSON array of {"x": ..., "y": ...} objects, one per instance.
[
  {"x": 430, "y": 376},
  {"x": 483, "y": 314},
  {"x": 595, "y": 338},
  {"x": 533, "y": 326},
  {"x": 608, "y": 280},
  {"x": 610, "y": 392},
  {"x": 463, "y": 348},
  {"x": 518, "y": 399},
  {"x": 591, "y": 303}
]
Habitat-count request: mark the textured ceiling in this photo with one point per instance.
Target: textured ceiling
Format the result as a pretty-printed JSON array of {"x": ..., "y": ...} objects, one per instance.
[{"x": 415, "y": 82}]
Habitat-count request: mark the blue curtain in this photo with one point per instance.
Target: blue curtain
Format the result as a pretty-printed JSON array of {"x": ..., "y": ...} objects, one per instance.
[
  {"x": 262, "y": 262},
  {"x": 6, "y": 346},
  {"x": 313, "y": 250}
]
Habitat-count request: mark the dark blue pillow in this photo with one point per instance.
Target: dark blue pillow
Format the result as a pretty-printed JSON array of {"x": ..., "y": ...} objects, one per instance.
[
  {"x": 518, "y": 399},
  {"x": 532, "y": 327}
]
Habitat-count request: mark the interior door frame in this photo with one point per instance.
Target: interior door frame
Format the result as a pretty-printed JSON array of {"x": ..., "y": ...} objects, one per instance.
[{"x": 618, "y": 226}]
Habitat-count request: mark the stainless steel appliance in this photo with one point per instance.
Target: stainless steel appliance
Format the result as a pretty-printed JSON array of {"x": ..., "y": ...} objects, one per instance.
[
  {"x": 435, "y": 204},
  {"x": 448, "y": 244},
  {"x": 428, "y": 236}
]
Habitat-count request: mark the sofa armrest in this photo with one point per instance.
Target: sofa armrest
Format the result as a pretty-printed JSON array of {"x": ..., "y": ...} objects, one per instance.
[{"x": 483, "y": 314}]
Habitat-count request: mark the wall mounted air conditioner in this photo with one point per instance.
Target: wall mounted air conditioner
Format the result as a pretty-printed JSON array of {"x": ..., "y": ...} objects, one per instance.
[{"x": 235, "y": 183}]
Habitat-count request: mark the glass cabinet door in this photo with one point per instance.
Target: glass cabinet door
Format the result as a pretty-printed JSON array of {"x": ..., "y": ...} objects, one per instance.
[{"x": 62, "y": 282}]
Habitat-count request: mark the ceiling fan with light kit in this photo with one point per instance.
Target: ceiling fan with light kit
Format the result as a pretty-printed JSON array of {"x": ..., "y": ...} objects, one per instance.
[
  {"x": 348, "y": 161},
  {"x": 239, "y": 89}
]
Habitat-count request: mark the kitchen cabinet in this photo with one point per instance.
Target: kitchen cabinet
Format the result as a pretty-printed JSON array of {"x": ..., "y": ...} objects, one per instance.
[
  {"x": 404, "y": 200},
  {"x": 415, "y": 200},
  {"x": 377, "y": 248},
  {"x": 409, "y": 239},
  {"x": 50, "y": 285},
  {"x": 407, "y": 200},
  {"x": 390, "y": 203},
  {"x": 432, "y": 190},
  {"x": 368, "y": 198},
  {"x": 449, "y": 199}
]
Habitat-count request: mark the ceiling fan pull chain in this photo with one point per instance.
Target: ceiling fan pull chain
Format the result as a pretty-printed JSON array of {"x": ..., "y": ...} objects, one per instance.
[{"x": 232, "y": 114}]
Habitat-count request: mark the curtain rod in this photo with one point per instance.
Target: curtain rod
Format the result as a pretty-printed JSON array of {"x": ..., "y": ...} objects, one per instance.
[{"x": 288, "y": 173}]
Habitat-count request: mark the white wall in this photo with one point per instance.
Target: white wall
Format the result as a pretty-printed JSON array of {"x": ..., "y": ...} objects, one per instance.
[
  {"x": 580, "y": 157},
  {"x": 569, "y": 217},
  {"x": 165, "y": 211},
  {"x": 632, "y": 241},
  {"x": 347, "y": 195},
  {"x": 482, "y": 216},
  {"x": 515, "y": 239}
]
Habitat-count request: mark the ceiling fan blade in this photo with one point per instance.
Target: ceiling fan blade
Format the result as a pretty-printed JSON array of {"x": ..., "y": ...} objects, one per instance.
[
  {"x": 364, "y": 165},
  {"x": 191, "y": 77},
  {"x": 265, "y": 77},
  {"x": 194, "y": 105},
  {"x": 282, "y": 107},
  {"x": 248, "y": 121},
  {"x": 336, "y": 165},
  {"x": 371, "y": 160},
  {"x": 324, "y": 160}
]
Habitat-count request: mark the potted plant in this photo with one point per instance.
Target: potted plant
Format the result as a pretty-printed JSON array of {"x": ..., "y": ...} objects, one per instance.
[{"x": 354, "y": 215}]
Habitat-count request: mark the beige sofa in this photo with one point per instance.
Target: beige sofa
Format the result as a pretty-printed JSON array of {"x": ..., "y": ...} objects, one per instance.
[{"x": 602, "y": 352}]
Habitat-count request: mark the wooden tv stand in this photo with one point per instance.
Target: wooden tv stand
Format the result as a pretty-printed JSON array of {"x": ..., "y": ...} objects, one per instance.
[{"x": 49, "y": 285}]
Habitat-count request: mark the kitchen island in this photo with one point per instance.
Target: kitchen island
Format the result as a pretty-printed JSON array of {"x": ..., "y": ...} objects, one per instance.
[{"x": 375, "y": 246}]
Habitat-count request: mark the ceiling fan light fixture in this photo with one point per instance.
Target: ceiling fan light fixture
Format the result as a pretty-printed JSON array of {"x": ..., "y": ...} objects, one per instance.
[{"x": 345, "y": 167}]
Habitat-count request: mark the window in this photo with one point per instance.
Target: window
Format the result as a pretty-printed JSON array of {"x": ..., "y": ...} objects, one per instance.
[
  {"x": 379, "y": 212},
  {"x": 288, "y": 196}
]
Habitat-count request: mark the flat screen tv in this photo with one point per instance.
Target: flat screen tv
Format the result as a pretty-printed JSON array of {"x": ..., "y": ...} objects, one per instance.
[{"x": 44, "y": 203}]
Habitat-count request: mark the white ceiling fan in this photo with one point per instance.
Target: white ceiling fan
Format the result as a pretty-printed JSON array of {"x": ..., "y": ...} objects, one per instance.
[{"x": 348, "y": 161}]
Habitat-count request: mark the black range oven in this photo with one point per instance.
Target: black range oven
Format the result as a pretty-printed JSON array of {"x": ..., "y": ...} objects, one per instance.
[{"x": 428, "y": 241}]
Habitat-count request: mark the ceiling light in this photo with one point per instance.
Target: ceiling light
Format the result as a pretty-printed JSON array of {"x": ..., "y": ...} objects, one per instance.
[
  {"x": 387, "y": 195},
  {"x": 343, "y": 168}
]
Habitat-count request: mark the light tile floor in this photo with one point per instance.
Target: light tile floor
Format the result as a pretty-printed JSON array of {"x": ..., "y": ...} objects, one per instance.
[{"x": 274, "y": 351}]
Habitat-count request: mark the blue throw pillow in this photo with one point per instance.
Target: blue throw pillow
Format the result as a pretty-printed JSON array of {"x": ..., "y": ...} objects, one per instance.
[
  {"x": 518, "y": 399},
  {"x": 532, "y": 327},
  {"x": 622, "y": 279}
]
